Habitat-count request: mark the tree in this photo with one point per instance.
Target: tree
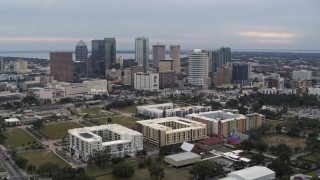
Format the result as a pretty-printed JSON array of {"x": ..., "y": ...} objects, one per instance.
[
  {"x": 122, "y": 170},
  {"x": 148, "y": 161},
  {"x": 281, "y": 168},
  {"x": 239, "y": 165},
  {"x": 2, "y": 138},
  {"x": 247, "y": 145},
  {"x": 255, "y": 107},
  {"x": 31, "y": 168},
  {"x": 109, "y": 120},
  {"x": 21, "y": 162},
  {"x": 232, "y": 104},
  {"x": 257, "y": 158},
  {"x": 156, "y": 171},
  {"x": 99, "y": 157},
  {"x": 165, "y": 150},
  {"x": 48, "y": 168},
  {"x": 278, "y": 128},
  {"x": 261, "y": 145},
  {"x": 117, "y": 160},
  {"x": 38, "y": 124},
  {"x": 141, "y": 164},
  {"x": 202, "y": 169}
]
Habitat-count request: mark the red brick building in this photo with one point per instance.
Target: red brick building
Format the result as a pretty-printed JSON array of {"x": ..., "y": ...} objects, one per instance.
[{"x": 61, "y": 66}]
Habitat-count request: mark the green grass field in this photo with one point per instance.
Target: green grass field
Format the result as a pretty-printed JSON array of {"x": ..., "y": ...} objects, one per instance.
[
  {"x": 140, "y": 174},
  {"x": 92, "y": 112},
  {"x": 292, "y": 142},
  {"x": 314, "y": 157},
  {"x": 129, "y": 109},
  {"x": 121, "y": 120},
  {"x": 58, "y": 131},
  {"x": 17, "y": 137},
  {"x": 37, "y": 158}
]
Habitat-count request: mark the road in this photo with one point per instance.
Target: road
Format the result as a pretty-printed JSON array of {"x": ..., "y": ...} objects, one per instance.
[{"x": 12, "y": 169}]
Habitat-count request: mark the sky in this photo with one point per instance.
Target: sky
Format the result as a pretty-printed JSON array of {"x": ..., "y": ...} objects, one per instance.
[{"x": 205, "y": 24}]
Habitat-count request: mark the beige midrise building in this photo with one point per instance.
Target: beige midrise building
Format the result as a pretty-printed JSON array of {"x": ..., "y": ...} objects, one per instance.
[{"x": 171, "y": 130}]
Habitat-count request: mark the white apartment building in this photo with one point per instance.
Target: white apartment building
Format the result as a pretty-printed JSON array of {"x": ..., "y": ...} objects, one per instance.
[
  {"x": 168, "y": 110},
  {"x": 119, "y": 141},
  {"x": 146, "y": 81},
  {"x": 314, "y": 90},
  {"x": 198, "y": 68},
  {"x": 98, "y": 86},
  {"x": 302, "y": 75}
]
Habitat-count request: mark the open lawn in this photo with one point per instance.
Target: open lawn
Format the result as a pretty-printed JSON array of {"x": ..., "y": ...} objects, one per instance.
[
  {"x": 121, "y": 120},
  {"x": 17, "y": 137},
  {"x": 274, "y": 122},
  {"x": 93, "y": 112},
  {"x": 292, "y": 142},
  {"x": 129, "y": 109},
  {"x": 37, "y": 158},
  {"x": 225, "y": 149},
  {"x": 58, "y": 131},
  {"x": 140, "y": 174},
  {"x": 314, "y": 157}
]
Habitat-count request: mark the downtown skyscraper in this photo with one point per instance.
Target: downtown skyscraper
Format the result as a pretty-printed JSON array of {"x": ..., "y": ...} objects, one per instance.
[
  {"x": 158, "y": 53},
  {"x": 81, "y": 60},
  {"x": 142, "y": 52},
  {"x": 219, "y": 57},
  {"x": 103, "y": 55},
  {"x": 198, "y": 68},
  {"x": 175, "y": 55}
]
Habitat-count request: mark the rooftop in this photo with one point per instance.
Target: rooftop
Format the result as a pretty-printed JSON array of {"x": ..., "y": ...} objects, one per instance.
[
  {"x": 183, "y": 156},
  {"x": 218, "y": 116},
  {"x": 251, "y": 172},
  {"x": 12, "y": 120}
]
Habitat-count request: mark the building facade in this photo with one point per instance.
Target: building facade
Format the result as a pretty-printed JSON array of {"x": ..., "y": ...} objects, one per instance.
[
  {"x": 158, "y": 53},
  {"x": 168, "y": 110},
  {"x": 20, "y": 66},
  {"x": 103, "y": 55},
  {"x": 171, "y": 130},
  {"x": 217, "y": 58},
  {"x": 167, "y": 79},
  {"x": 225, "y": 123},
  {"x": 241, "y": 73},
  {"x": 198, "y": 68},
  {"x": 302, "y": 75},
  {"x": 223, "y": 76},
  {"x": 146, "y": 81},
  {"x": 81, "y": 55},
  {"x": 175, "y": 55},
  {"x": 142, "y": 52},
  {"x": 117, "y": 140},
  {"x": 61, "y": 66}
]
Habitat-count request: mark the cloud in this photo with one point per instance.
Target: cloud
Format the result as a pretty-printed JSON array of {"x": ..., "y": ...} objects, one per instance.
[
  {"x": 267, "y": 34},
  {"x": 39, "y": 39}
]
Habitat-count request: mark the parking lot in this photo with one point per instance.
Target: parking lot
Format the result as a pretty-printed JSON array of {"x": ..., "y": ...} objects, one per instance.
[{"x": 226, "y": 163}]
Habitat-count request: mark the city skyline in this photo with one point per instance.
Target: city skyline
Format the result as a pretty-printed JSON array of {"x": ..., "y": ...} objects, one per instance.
[{"x": 249, "y": 24}]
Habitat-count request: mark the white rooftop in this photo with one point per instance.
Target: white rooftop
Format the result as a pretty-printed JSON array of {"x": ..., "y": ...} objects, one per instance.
[
  {"x": 183, "y": 156},
  {"x": 12, "y": 120},
  {"x": 217, "y": 116},
  {"x": 187, "y": 146},
  {"x": 254, "y": 172}
]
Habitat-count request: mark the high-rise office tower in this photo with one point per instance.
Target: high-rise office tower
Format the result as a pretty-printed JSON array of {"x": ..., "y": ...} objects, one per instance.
[
  {"x": 241, "y": 73},
  {"x": 219, "y": 57},
  {"x": 81, "y": 60},
  {"x": 159, "y": 53},
  {"x": 103, "y": 55},
  {"x": 198, "y": 68},
  {"x": 142, "y": 52},
  {"x": 175, "y": 55},
  {"x": 61, "y": 66},
  {"x": 1, "y": 64}
]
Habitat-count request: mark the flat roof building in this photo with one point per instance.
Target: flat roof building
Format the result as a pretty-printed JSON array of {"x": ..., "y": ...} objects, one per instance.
[
  {"x": 182, "y": 159},
  {"x": 118, "y": 140},
  {"x": 12, "y": 122},
  {"x": 252, "y": 173},
  {"x": 171, "y": 130},
  {"x": 225, "y": 123}
]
